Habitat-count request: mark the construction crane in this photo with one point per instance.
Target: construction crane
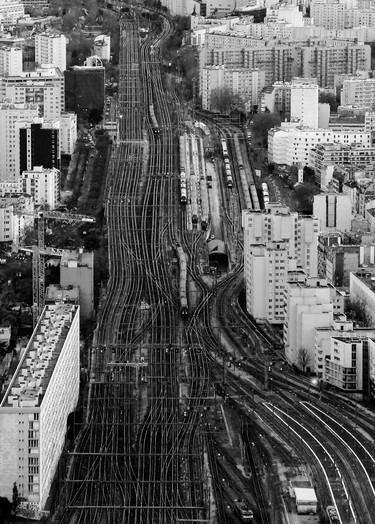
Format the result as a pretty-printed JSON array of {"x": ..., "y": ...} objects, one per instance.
[{"x": 39, "y": 250}]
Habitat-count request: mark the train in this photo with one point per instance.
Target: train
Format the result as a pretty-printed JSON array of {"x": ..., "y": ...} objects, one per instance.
[
  {"x": 266, "y": 196},
  {"x": 247, "y": 189},
  {"x": 184, "y": 310},
  {"x": 183, "y": 181},
  {"x": 154, "y": 122},
  {"x": 243, "y": 511},
  {"x": 332, "y": 515},
  {"x": 203, "y": 187},
  {"x": 228, "y": 170}
]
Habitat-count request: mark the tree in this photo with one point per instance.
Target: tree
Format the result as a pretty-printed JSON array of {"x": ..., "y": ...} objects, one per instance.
[
  {"x": 15, "y": 495},
  {"x": 262, "y": 123},
  {"x": 223, "y": 100},
  {"x": 358, "y": 311},
  {"x": 329, "y": 98},
  {"x": 303, "y": 359},
  {"x": 303, "y": 198}
]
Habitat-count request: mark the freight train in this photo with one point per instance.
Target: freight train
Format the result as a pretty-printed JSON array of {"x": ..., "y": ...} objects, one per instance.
[{"x": 184, "y": 310}]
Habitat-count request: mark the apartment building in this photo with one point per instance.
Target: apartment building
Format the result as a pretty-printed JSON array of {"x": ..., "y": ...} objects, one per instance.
[
  {"x": 344, "y": 364},
  {"x": 276, "y": 98},
  {"x": 356, "y": 156},
  {"x": 10, "y": 60},
  {"x": 44, "y": 86},
  {"x": 11, "y": 11},
  {"x": 359, "y": 92},
  {"x": 304, "y": 102},
  {"x": 308, "y": 306},
  {"x": 246, "y": 83},
  {"x": 292, "y": 144},
  {"x": 43, "y": 185},
  {"x": 68, "y": 133},
  {"x": 102, "y": 47},
  {"x": 276, "y": 241},
  {"x": 334, "y": 212},
  {"x": 362, "y": 289},
  {"x": 38, "y": 145},
  {"x": 50, "y": 49},
  {"x": 36, "y": 405},
  {"x": 283, "y": 61},
  {"x": 10, "y": 116},
  {"x": 330, "y": 15}
]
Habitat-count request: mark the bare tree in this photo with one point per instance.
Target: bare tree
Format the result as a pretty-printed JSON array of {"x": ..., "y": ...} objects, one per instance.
[
  {"x": 224, "y": 100},
  {"x": 358, "y": 311},
  {"x": 303, "y": 358}
]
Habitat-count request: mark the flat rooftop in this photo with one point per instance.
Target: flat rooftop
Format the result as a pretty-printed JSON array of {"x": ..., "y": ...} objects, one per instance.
[{"x": 32, "y": 376}]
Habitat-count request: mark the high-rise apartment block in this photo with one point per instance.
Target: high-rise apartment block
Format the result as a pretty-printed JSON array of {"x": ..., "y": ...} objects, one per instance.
[
  {"x": 275, "y": 241},
  {"x": 246, "y": 83},
  {"x": 334, "y": 212},
  {"x": 39, "y": 145},
  {"x": 44, "y": 87},
  {"x": 11, "y": 11},
  {"x": 328, "y": 14},
  {"x": 50, "y": 49},
  {"x": 84, "y": 90},
  {"x": 68, "y": 133},
  {"x": 10, "y": 116},
  {"x": 358, "y": 92},
  {"x": 43, "y": 185},
  {"x": 308, "y": 306},
  {"x": 292, "y": 143},
  {"x": 36, "y": 405},
  {"x": 10, "y": 61},
  {"x": 304, "y": 102},
  {"x": 283, "y": 61}
]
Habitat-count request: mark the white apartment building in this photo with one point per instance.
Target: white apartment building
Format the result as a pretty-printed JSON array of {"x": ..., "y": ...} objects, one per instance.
[
  {"x": 275, "y": 241},
  {"x": 12, "y": 221},
  {"x": 340, "y": 327},
  {"x": 11, "y": 11},
  {"x": 102, "y": 47},
  {"x": 362, "y": 289},
  {"x": 36, "y": 405},
  {"x": 50, "y": 50},
  {"x": 304, "y": 102},
  {"x": 307, "y": 306},
  {"x": 292, "y": 144},
  {"x": 359, "y": 92},
  {"x": 333, "y": 211},
  {"x": 43, "y": 185},
  {"x": 68, "y": 133},
  {"x": 11, "y": 115},
  {"x": 11, "y": 188},
  {"x": 246, "y": 83},
  {"x": 10, "y": 61},
  {"x": 182, "y": 7},
  {"x": 44, "y": 87},
  {"x": 266, "y": 271},
  {"x": 344, "y": 364},
  {"x": 330, "y": 15},
  {"x": 276, "y": 98},
  {"x": 290, "y": 14}
]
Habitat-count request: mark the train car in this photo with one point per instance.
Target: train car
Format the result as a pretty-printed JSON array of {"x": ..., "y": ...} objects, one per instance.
[
  {"x": 224, "y": 147},
  {"x": 183, "y": 187},
  {"x": 154, "y": 122},
  {"x": 229, "y": 178},
  {"x": 205, "y": 208},
  {"x": 184, "y": 310},
  {"x": 182, "y": 152},
  {"x": 194, "y": 199},
  {"x": 244, "y": 512},
  {"x": 332, "y": 515},
  {"x": 254, "y": 196}
]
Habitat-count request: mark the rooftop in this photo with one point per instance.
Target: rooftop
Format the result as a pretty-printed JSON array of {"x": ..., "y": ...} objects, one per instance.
[{"x": 31, "y": 379}]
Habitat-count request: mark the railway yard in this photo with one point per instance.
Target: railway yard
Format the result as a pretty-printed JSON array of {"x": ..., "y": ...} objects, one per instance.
[{"x": 193, "y": 415}]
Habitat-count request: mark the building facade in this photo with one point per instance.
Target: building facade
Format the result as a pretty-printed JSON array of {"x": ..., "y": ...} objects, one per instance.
[
  {"x": 44, "y": 87},
  {"x": 304, "y": 102},
  {"x": 10, "y": 116},
  {"x": 39, "y": 145},
  {"x": 77, "y": 269},
  {"x": 10, "y": 60},
  {"x": 334, "y": 212},
  {"x": 50, "y": 49},
  {"x": 43, "y": 185},
  {"x": 68, "y": 133},
  {"x": 36, "y": 405}
]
